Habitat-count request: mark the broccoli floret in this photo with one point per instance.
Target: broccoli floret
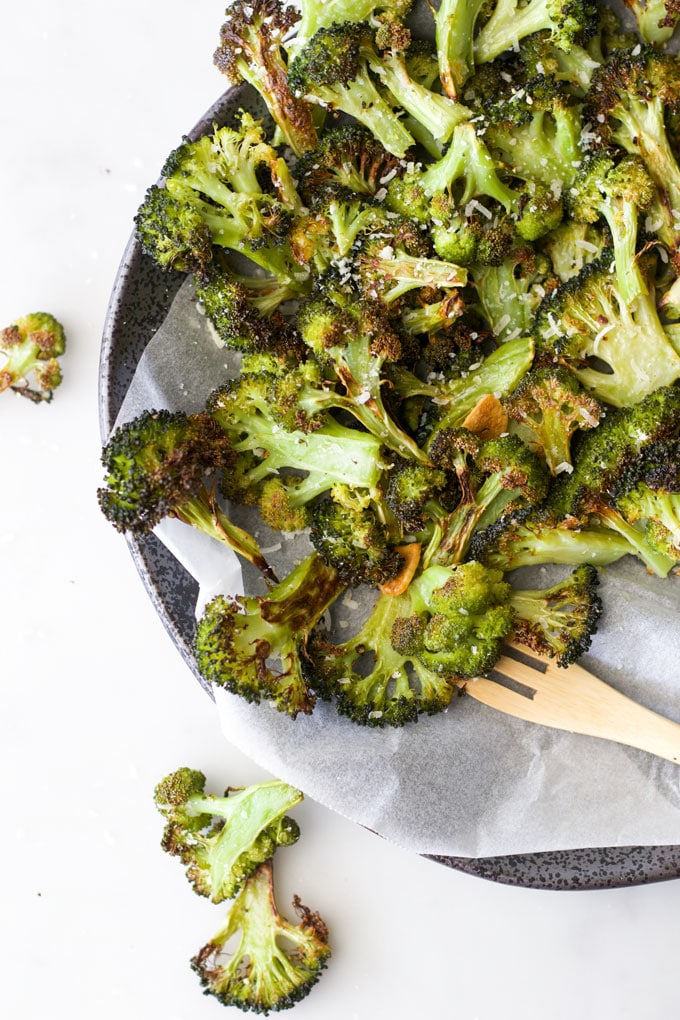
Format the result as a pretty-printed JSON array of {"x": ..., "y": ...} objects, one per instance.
[
  {"x": 511, "y": 291},
  {"x": 355, "y": 542},
  {"x": 387, "y": 57},
  {"x": 649, "y": 494},
  {"x": 467, "y": 237},
  {"x": 257, "y": 413},
  {"x": 156, "y": 466},
  {"x": 567, "y": 21},
  {"x": 238, "y": 640},
  {"x": 332, "y": 71},
  {"x": 30, "y": 349},
  {"x": 325, "y": 234},
  {"x": 619, "y": 352},
  {"x": 275, "y": 963},
  {"x": 534, "y": 537},
  {"x": 353, "y": 344},
  {"x": 229, "y": 189},
  {"x": 617, "y": 192},
  {"x": 559, "y": 621},
  {"x": 455, "y": 23},
  {"x": 372, "y": 682},
  {"x": 627, "y": 101},
  {"x": 414, "y": 494},
  {"x": 464, "y": 616},
  {"x": 656, "y": 19},
  {"x": 433, "y": 318},
  {"x": 251, "y": 50},
  {"x": 548, "y": 407},
  {"x": 572, "y": 245},
  {"x": 318, "y": 14},
  {"x": 535, "y": 128},
  {"x": 347, "y": 157},
  {"x": 495, "y": 478},
  {"x": 222, "y": 840}
]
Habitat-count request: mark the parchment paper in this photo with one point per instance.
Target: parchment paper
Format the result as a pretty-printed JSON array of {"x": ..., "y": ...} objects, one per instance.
[{"x": 470, "y": 782}]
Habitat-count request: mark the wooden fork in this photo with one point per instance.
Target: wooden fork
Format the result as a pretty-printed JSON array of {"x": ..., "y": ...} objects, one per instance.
[{"x": 573, "y": 699}]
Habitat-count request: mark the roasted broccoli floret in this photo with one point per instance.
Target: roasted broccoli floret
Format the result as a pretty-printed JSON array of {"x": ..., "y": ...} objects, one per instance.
[
  {"x": 656, "y": 19},
  {"x": 229, "y": 189},
  {"x": 414, "y": 494},
  {"x": 559, "y": 621},
  {"x": 495, "y": 477},
  {"x": 275, "y": 963},
  {"x": 318, "y": 14},
  {"x": 533, "y": 537},
  {"x": 355, "y": 542},
  {"x": 618, "y": 192},
  {"x": 251, "y": 50},
  {"x": 548, "y": 407},
  {"x": 29, "y": 353},
  {"x": 648, "y": 495},
  {"x": 332, "y": 71},
  {"x": 511, "y": 291},
  {"x": 222, "y": 840},
  {"x": 535, "y": 128},
  {"x": 347, "y": 157},
  {"x": 626, "y": 104},
  {"x": 619, "y": 351},
  {"x": 572, "y": 245},
  {"x": 238, "y": 640},
  {"x": 156, "y": 466},
  {"x": 567, "y": 21}
]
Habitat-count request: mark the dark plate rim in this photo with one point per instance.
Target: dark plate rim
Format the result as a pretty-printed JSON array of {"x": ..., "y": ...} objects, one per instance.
[{"x": 579, "y": 869}]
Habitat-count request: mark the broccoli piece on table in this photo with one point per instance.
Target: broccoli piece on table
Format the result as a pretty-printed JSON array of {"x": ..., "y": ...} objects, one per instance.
[
  {"x": 156, "y": 466},
  {"x": 251, "y": 50},
  {"x": 275, "y": 963},
  {"x": 254, "y": 646},
  {"x": 548, "y": 407},
  {"x": 619, "y": 351},
  {"x": 332, "y": 71},
  {"x": 559, "y": 621},
  {"x": 29, "y": 353},
  {"x": 223, "y": 840}
]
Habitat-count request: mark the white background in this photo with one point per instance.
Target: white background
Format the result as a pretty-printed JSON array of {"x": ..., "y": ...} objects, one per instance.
[{"x": 97, "y": 705}]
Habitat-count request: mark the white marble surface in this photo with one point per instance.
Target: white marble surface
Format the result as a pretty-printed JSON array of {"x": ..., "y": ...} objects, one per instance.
[{"x": 96, "y": 704}]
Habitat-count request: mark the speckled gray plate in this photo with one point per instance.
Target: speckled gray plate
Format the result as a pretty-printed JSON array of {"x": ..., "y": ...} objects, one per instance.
[{"x": 141, "y": 297}]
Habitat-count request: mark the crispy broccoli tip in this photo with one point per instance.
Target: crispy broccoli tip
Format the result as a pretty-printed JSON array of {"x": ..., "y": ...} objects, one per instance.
[
  {"x": 157, "y": 466},
  {"x": 275, "y": 963},
  {"x": 222, "y": 840},
  {"x": 355, "y": 542},
  {"x": 559, "y": 621},
  {"x": 347, "y": 157},
  {"x": 29, "y": 353},
  {"x": 254, "y": 646}
]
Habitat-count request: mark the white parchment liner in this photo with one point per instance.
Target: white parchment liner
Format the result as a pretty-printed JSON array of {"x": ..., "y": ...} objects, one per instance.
[{"x": 469, "y": 782}]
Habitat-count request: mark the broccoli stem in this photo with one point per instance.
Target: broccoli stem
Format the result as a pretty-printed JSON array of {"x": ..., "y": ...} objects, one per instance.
[
  {"x": 507, "y": 25},
  {"x": 204, "y": 513},
  {"x": 455, "y": 29},
  {"x": 467, "y": 157},
  {"x": 458, "y": 528},
  {"x": 436, "y": 113},
  {"x": 655, "y": 561}
]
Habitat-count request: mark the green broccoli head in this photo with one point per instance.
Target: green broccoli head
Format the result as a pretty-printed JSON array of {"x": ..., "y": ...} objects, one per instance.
[
  {"x": 413, "y": 494},
  {"x": 353, "y": 541},
  {"x": 223, "y": 840},
  {"x": 275, "y": 963},
  {"x": 559, "y": 621},
  {"x": 30, "y": 348},
  {"x": 648, "y": 495},
  {"x": 254, "y": 646}
]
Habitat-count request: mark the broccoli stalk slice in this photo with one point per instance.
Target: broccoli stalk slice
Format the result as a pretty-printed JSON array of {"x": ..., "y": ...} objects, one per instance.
[
  {"x": 237, "y": 639},
  {"x": 509, "y": 23},
  {"x": 559, "y": 621},
  {"x": 437, "y": 114},
  {"x": 261, "y": 975},
  {"x": 454, "y": 33},
  {"x": 222, "y": 840}
]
